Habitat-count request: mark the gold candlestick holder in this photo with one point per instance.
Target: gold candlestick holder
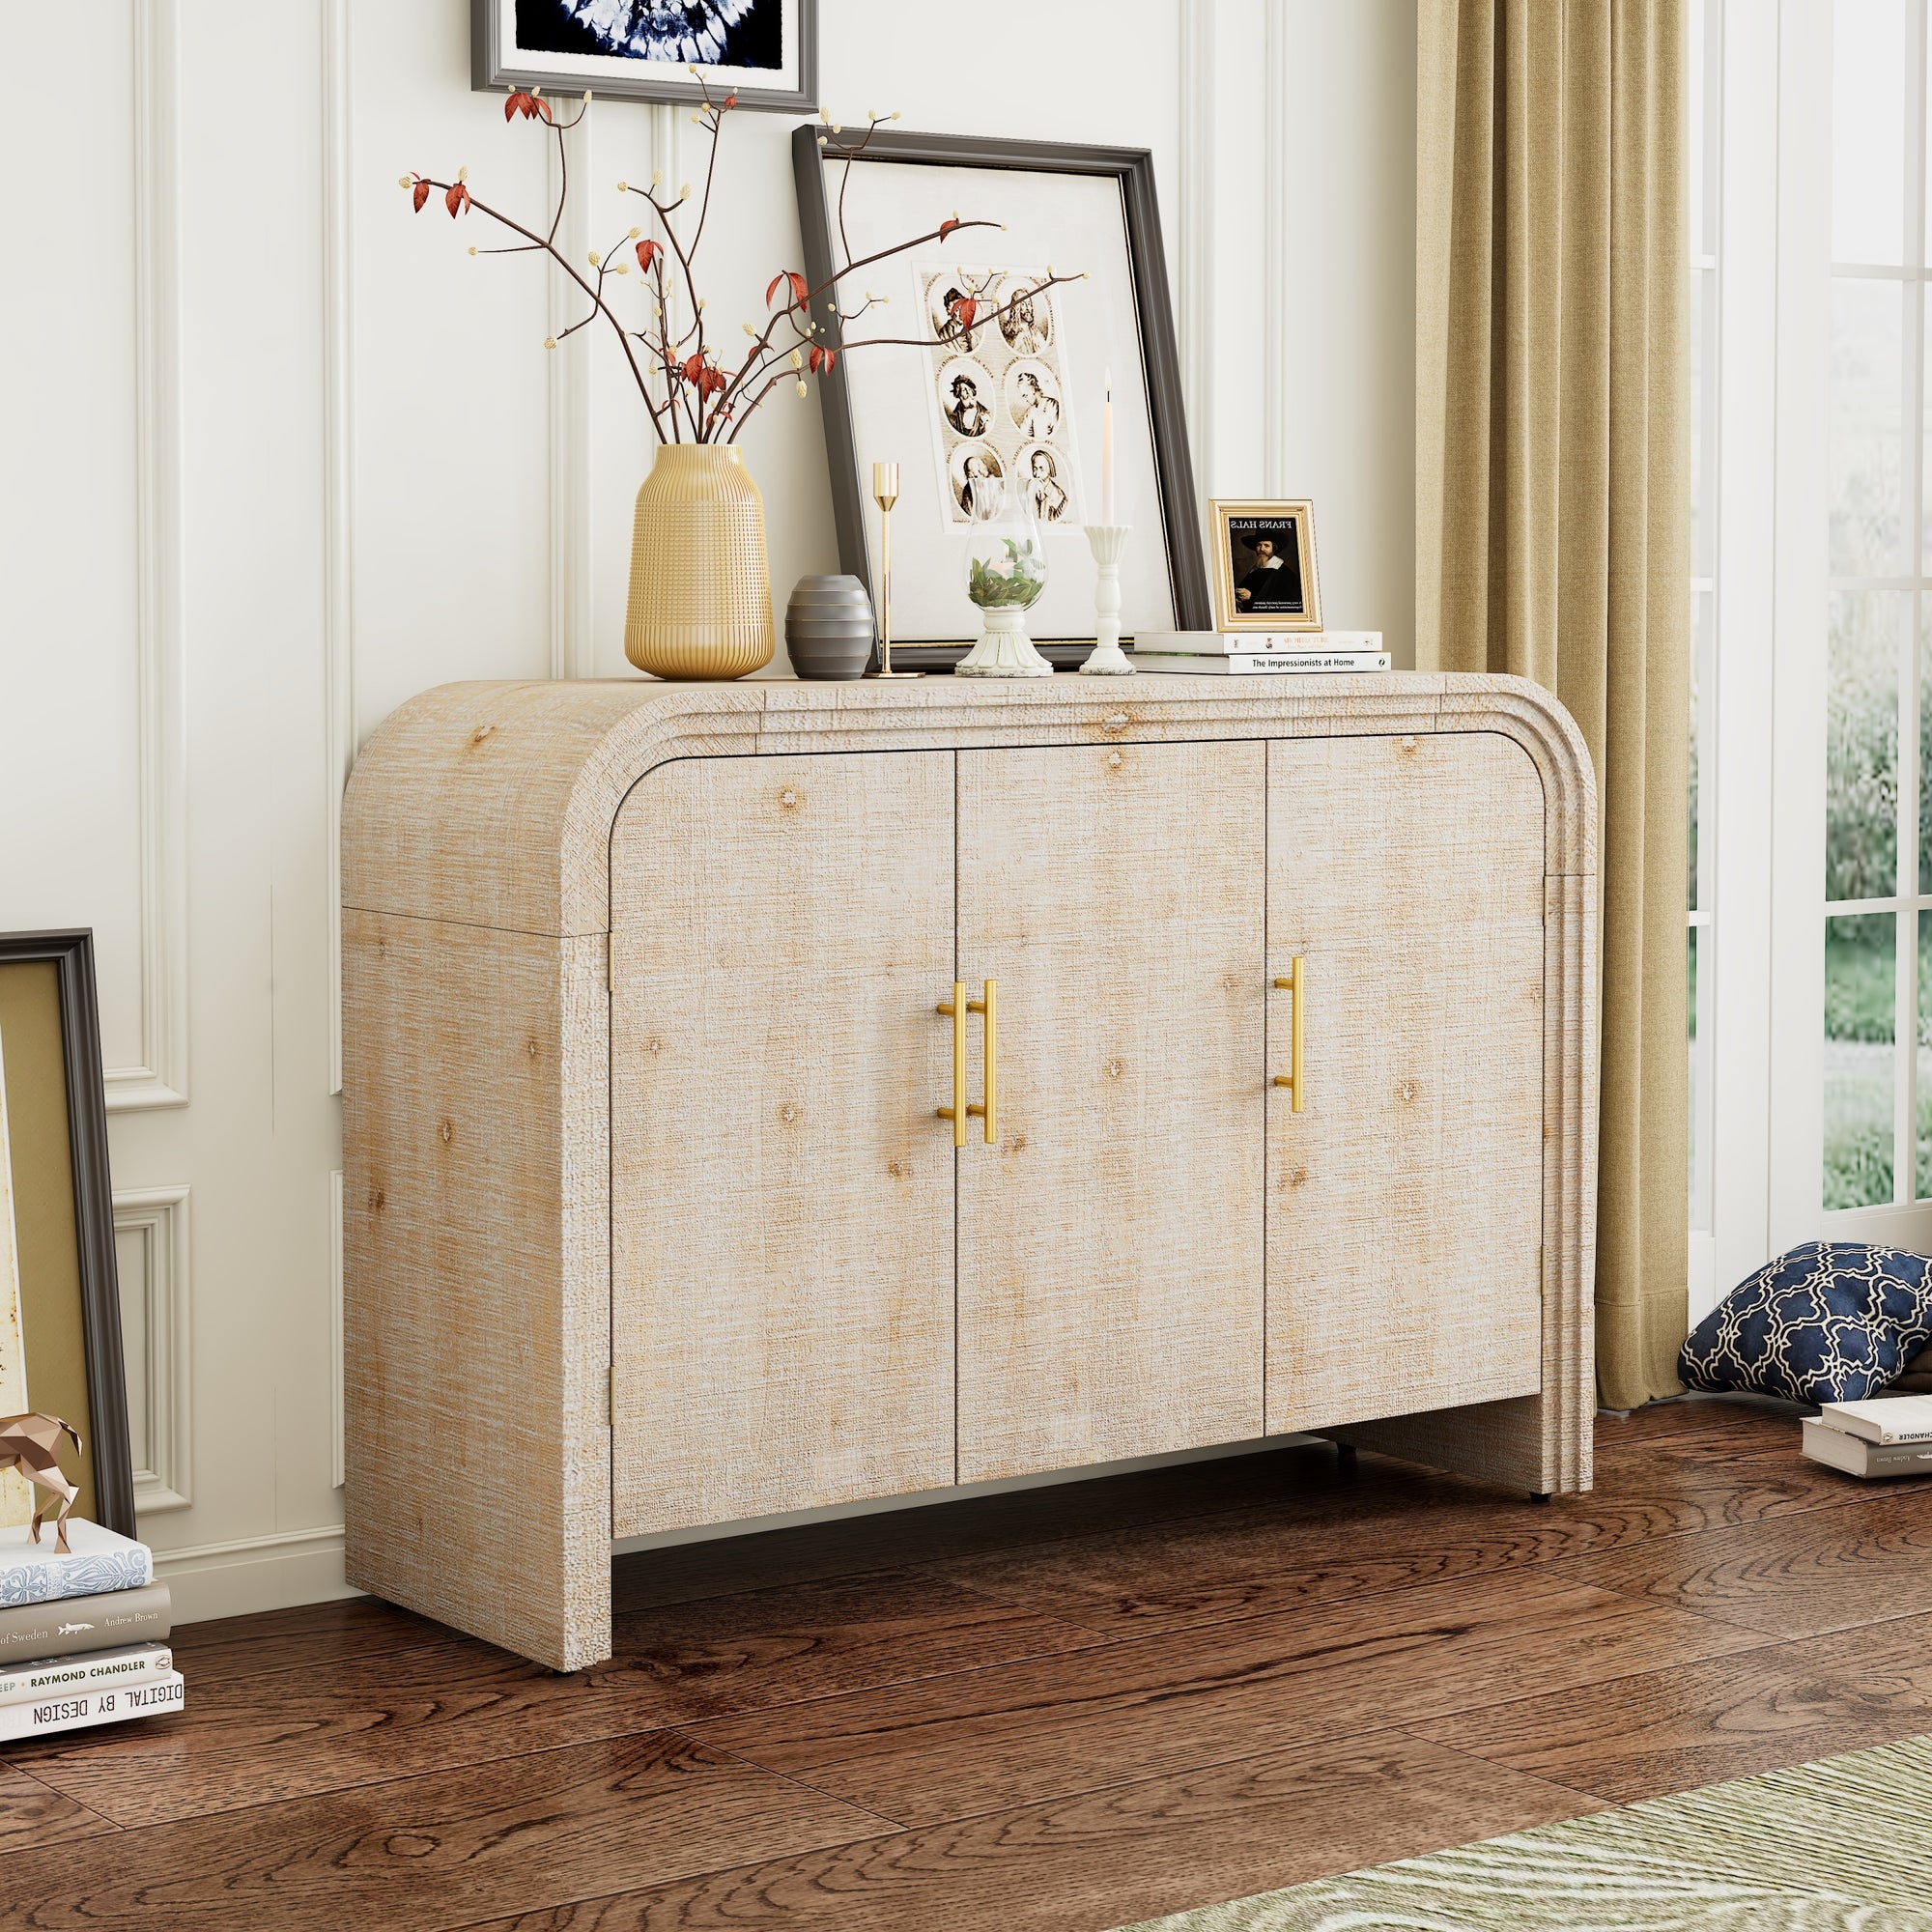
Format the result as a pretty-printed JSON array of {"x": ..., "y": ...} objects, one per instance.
[{"x": 886, "y": 493}]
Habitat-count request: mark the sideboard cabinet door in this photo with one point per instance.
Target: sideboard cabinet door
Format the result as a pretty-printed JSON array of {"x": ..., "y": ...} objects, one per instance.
[
  {"x": 1405, "y": 1202},
  {"x": 782, "y": 1195},
  {"x": 1110, "y": 1244}
]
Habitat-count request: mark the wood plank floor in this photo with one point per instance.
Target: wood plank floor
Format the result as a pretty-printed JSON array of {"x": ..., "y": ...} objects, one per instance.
[{"x": 1069, "y": 1708}]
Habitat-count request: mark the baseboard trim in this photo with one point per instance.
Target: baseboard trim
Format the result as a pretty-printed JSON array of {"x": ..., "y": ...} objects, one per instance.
[{"x": 254, "y": 1572}]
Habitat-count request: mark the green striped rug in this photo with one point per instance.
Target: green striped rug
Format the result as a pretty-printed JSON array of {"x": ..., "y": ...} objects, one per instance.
[{"x": 1844, "y": 1843}]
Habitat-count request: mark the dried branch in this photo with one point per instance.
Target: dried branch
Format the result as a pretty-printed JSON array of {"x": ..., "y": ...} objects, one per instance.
[{"x": 698, "y": 393}]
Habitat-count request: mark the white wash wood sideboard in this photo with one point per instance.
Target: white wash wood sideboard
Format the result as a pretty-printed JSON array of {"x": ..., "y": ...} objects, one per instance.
[{"x": 653, "y": 1220}]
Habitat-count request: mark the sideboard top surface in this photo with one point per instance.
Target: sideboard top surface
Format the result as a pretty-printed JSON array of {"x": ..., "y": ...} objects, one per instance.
[{"x": 490, "y": 804}]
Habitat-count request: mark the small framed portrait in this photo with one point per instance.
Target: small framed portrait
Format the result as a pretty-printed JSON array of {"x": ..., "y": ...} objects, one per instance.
[
  {"x": 764, "y": 52},
  {"x": 1263, "y": 566},
  {"x": 59, "y": 1304}
]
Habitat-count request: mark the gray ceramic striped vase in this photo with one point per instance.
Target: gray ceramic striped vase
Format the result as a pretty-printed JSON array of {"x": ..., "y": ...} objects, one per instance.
[{"x": 829, "y": 628}]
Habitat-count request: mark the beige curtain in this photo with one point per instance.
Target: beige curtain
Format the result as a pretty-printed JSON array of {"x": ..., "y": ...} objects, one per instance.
[{"x": 1553, "y": 516}]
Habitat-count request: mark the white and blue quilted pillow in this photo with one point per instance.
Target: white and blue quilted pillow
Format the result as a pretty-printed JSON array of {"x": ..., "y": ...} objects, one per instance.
[{"x": 1830, "y": 1321}]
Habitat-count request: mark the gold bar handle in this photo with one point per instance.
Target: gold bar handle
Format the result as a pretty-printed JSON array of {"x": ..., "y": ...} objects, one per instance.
[
  {"x": 954, "y": 1010},
  {"x": 1295, "y": 984},
  {"x": 990, "y": 1007}
]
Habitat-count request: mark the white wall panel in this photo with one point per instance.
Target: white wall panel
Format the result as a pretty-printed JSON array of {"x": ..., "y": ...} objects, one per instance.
[
  {"x": 90, "y": 644},
  {"x": 291, "y": 455},
  {"x": 150, "y": 1252},
  {"x": 451, "y": 389}
]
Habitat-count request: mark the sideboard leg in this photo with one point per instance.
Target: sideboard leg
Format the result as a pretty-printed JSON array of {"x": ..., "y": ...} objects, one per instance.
[
  {"x": 1539, "y": 1496},
  {"x": 1345, "y": 1455}
]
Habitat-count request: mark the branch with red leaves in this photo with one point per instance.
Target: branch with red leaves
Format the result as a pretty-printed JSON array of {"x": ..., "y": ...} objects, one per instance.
[{"x": 681, "y": 378}]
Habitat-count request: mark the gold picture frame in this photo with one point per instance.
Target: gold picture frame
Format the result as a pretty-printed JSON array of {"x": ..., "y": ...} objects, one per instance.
[{"x": 1280, "y": 534}]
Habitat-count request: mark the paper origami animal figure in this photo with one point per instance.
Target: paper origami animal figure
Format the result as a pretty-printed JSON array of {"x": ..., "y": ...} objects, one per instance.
[{"x": 31, "y": 1444}]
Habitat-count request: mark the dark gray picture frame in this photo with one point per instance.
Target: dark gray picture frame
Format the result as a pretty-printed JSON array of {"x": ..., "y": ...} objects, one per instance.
[
  {"x": 71, "y": 953},
  {"x": 487, "y": 75},
  {"x": 1132, "y": 169}
]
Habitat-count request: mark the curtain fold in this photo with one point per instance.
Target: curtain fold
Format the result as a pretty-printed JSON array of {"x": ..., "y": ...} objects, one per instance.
[{"x": 1553, "y": 518}]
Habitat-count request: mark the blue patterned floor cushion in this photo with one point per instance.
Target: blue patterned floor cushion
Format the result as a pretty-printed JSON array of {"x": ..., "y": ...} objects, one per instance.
[{"x": 1830, "y": 1321}]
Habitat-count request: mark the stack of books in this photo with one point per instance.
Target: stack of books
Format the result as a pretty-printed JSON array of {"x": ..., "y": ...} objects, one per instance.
[
  {"x": 1259, "y": 653},
  {"x": 1891, "y": 1436},
  {"x": 82, "y": 1636}
]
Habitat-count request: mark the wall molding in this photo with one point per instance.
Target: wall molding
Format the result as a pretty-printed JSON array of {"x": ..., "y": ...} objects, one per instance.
[
  {"x": 1198, "y": 113},
  {"x": 163, "y": 1454},
  {"x": 1278, "y": 205},
  {"x": 572, "y": 642},
  {"x": 245, "y": 1548},
  {"x": 337, "y": 1365},
  {"x": 160, "y": 1079},
  {"x": 338, "y": 557},
  {"x": 252, "y": 1574}
]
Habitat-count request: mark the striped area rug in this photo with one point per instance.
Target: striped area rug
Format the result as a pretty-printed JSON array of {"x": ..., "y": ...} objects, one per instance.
[{"x": 1845, "y": 1844}]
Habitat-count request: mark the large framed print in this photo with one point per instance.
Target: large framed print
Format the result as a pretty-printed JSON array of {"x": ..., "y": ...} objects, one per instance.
[
  {"x": 60, "y": 1301},
  {"x": 763, "y": 51},
  {"x": 1020, "y": 397}
]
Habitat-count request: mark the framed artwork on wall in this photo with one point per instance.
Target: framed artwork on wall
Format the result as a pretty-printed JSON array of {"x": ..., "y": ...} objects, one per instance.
[
  {"x": 764, "y": 52},
  {"x": 1017, "y": 401},
  {"x": 1264, "y": 561},
  {"x": 59, "y": 1304}
]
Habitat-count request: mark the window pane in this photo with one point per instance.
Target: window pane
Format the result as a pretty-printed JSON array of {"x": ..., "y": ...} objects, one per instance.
[
  {"x": 1925, "y": 745},
  {"x": 1702, "y": 233},
  {"x": 1859, "y": 975},
  {"x": 1698, "y": 600},
  {"x": 1700, "y": 1212},
  {"x": 1866, "y": 422},
  {"x": 1861, "y": 745},
  {"x": 1703, "y": 418},
  {"x": 1869, "y": 130},
  {"x": 1923, "y": 1164},
  {"x": 1925, "y": 493}
]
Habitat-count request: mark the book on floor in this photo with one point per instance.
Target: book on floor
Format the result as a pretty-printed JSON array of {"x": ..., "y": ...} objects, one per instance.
[
  {"x": 1253, "y": 643},
  {"x": 65, "y": 1626},
  {"x": 78, "y": 1710},
  {"x": 1896, "y": 1418},
  {"x": 98, "y": 1560},
  {"x": 51, "y": 1677},
  {"x": 1858, "y": 1455},
  {"x": 1274, "y": 664}
]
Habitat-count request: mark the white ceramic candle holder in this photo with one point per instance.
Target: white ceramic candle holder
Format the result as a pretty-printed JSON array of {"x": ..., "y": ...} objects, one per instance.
[{"x": 1107, "y": 541}]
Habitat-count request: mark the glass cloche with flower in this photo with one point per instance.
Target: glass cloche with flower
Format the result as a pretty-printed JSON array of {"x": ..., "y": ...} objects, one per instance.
[{"x": 1006, "y": 572}]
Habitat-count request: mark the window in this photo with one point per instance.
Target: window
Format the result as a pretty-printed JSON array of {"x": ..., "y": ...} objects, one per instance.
[
  {"x": 1877, "y": 885},
  {"x": 1706, "y": 87}
]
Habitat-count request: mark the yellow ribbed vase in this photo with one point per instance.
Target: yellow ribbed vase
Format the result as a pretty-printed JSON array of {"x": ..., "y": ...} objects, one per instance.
[{"x": 701, "y": 603}]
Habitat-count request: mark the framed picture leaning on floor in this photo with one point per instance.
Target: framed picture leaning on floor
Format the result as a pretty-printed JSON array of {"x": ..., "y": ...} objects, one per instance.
[{"x": 59, "y": 1304}]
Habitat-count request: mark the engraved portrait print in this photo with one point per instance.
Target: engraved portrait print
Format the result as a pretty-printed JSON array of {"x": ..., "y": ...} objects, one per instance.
[{"x": 1000, "y": 416}]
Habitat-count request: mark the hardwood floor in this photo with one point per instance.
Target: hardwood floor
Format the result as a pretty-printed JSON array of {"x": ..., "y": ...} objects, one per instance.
[{"x": 1069, "y": 1708}]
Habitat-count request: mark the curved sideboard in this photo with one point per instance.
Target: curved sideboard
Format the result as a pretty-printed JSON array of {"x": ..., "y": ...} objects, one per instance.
[{"x": 654, "y": 1215}]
